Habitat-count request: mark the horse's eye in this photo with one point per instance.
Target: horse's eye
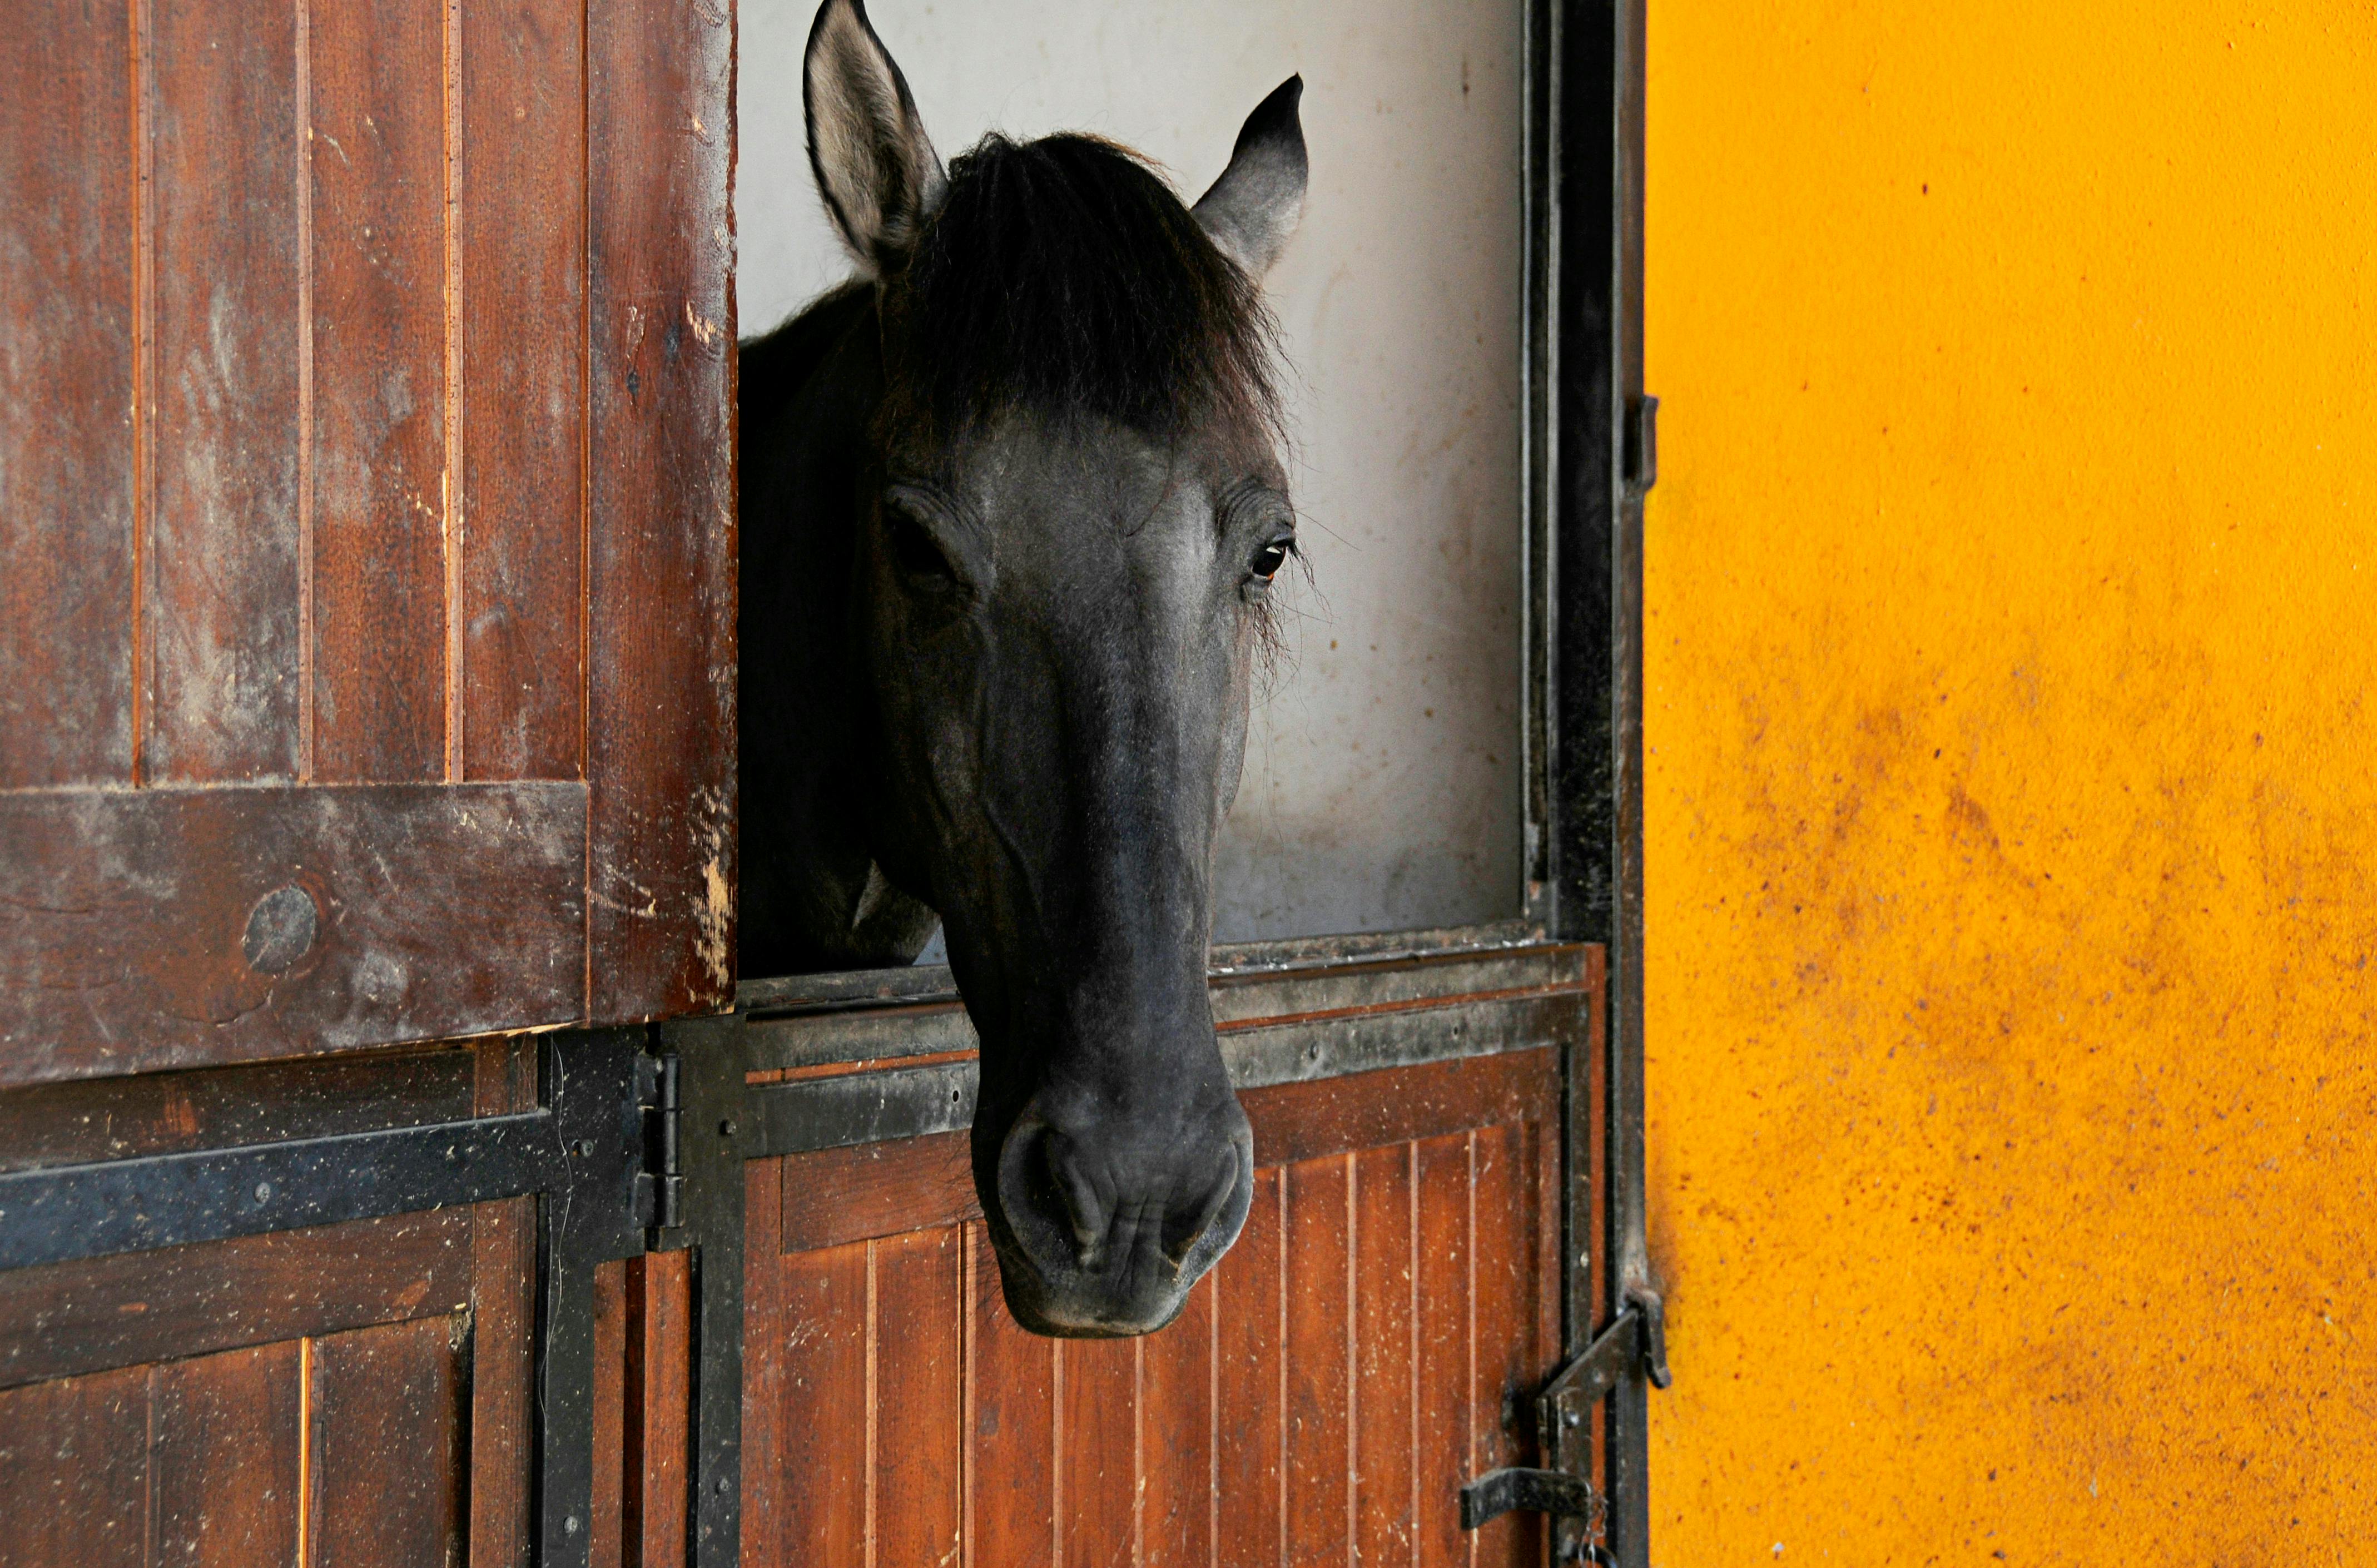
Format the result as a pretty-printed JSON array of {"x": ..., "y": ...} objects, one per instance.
[
  {"x": 913, "y": 551},
  {"x": 1269, "y": 559}
]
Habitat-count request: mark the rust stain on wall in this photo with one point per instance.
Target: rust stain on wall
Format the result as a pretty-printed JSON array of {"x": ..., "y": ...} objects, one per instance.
[{"x": 2013, "y": 788}]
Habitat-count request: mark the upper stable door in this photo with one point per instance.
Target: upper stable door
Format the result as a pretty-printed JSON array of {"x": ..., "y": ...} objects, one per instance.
[
  {"x": 365, "y": 542},
  {"x": 366, "y": 680}
]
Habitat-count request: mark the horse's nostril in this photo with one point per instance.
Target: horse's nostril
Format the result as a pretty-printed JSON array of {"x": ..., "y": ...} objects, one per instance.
[
  {"x": 1084, "y": 1211},
  {"x": 1179, "y": 1239}
]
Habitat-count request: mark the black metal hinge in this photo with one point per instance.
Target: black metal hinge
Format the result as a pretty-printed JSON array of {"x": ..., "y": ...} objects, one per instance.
[
  {"x": 1636, "y": 1344},
  {"x": 660, "y": 1185}
]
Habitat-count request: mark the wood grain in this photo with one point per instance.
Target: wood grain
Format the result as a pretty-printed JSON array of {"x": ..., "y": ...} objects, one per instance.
[
  {"x": 74, "y": 1473},
  {"x": 1504, "y": 1269},
  {"x": 65, "y": 1319},
  {"x": 1385, "y": 1365},
  {"x": 112, "y": 1118},
  {"x": 125, "y": 921},
  {"x": 847, "y": 1194},
  {"x": 66, "y": 466},
  {"x": 1316, "y": 1203},
  {"x": 606, "y": 1528},
  {"x": 1248, "y": 1286},
  {"x": 1096, "y": 1442},
  {"x": 1442, "y": 1351},
  {"x": 1176, "y": 1434},
  {"x": 1013, "y": 1507},
  {"x": 221, "y": 599},
  {"x": 827, "y": 1416},
  {"x": 657, "y": 1432},
  {"x": 224, "y": 1458},
  {"x": 520, "y": 229},
  {"x": 660, "y": 513},
  {"x": 766, "y": 1357},
  {"x": 379, "y": 516},
  {"x": 503, "y": 1442},
  {"x": 387, "y": 1437},
  {"x": 919, "y": 1471}
]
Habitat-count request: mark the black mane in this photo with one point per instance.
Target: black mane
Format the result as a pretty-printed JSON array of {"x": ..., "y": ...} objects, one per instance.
[{"x": 1063, "y": 277}]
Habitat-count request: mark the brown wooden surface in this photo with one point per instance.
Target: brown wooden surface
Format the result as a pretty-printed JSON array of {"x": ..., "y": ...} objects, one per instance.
[
  {"x": 657, "y": 1437},
  {"x": 124, "y": 919},
  {"x": 386, "y": 1411},
  {"x": 221, "y": 626},
  {"x": 112, "y": 1118},
  {"x": 378, "y": 512},
  {"x": 520, "y": 234},
  {"x": 661, "y": 509},
  {"x": 1344, "y": 1370},
  {"x": 65, "y": 398},
  {"x": 366, "y": 422}
]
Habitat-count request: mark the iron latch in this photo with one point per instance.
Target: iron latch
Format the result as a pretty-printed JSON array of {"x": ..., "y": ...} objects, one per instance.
[
  {"x": 1636, "y": 1343},
  {"x": 660, "y": 1185}
]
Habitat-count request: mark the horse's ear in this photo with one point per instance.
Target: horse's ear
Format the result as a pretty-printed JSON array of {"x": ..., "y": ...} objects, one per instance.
[
  {"x": 1252, "y": 210},
  {"x": 875, "y": 165}
]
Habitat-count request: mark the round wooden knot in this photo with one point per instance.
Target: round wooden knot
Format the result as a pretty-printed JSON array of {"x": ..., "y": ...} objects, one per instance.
[{"x": 280, "y": 929}]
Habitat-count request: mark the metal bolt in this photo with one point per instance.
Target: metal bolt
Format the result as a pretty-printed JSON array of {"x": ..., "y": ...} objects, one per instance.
[
  {"x": 570, "y": 1524},
  {"x": 263, "y": 1191},
  {"x": 721, "y": 1486},
  {"x": 585, "y": 1148},
  {"x": 728, "y": 1128},
  {"x": 1571, "y": 1420}
]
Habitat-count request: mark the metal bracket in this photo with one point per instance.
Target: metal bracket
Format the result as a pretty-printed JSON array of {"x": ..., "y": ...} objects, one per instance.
[
  {"x": 660, "y": 1185},
  {"x": 1641, "y": 458}
]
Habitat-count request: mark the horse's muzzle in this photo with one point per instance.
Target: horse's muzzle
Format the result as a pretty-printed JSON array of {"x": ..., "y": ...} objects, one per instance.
[{"x": 1100, "y": 1236}]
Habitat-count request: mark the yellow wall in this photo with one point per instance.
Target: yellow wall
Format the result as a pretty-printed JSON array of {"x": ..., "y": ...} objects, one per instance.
[{"x": 2013, "y": 719}]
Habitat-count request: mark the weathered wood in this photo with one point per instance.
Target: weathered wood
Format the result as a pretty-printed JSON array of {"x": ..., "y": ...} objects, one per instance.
[
  {"x": 1385, "y": 1366},
  {"x": 378, "y": 515},
  {"x": 66, "y": 469},
  {"x": 659, "y": 1405},
  {"x": 661, "y": 509},
  {"x": 1011, "y": 1510},
  {"x": 1441, "y": 1346},
  {"x": 1317, "y": 1357},
  {"x": 74, "y": 1473},
  {"x": 521, "y": 232},
  {"x": 182, "y": 928},
  {"x": 112, "y": 1118},
  {"x": 848, "y": 1194},
  {"x": 1507, "y": 1275},
  {"x": 503, "y": 1310},
  {"x": 1248, "y": 1300},
  {"x": 1096, "y": 1443},
  {"x": 1178, "y": 1433},
  {"x": 224, "y": 1458},
  {"x": 386, "y": 1446},
  {"x": 919, "y": 1431},
  {"x": 605, "y": 1527},
  {"x": 62, "y": 1320},
  {"x": 828, "y": 1423},
  {"x": 220, "y": 630},
  {"x": 766, "y": 1357}
]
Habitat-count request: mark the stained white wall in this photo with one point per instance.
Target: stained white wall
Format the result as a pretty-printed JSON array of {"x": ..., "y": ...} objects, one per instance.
[{"x": 1383, "y": 786}]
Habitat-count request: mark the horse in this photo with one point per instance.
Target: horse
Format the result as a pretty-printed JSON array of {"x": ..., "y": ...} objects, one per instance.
[{"x": 1012, "y": 503}]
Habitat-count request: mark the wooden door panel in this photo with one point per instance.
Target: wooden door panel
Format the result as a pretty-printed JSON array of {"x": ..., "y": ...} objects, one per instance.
[
  {"x": 1364, "y": 1349},
  {"x": 136, "y": 931}
]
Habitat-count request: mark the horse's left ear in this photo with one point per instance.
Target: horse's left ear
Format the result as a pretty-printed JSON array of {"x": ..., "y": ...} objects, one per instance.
[
  {"x": 1252, "y": 210},
  {"x": 875, "y": 165}
]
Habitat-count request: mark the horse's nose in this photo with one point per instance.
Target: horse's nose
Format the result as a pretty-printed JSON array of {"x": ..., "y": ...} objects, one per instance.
[{"x": 1111, "y": 1228}]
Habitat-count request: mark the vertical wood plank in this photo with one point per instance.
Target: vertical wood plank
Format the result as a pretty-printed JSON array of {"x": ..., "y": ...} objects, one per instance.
[
  {"x": 660, "y": 513},
  {"x": 659, "y": 1407},
  {"x": 1177, "y": 1420},
  {"x": 221, "y": 600},
  {"x": 502, "y": 1272},
  {"x": 825, "y": 1411},
  {"x": 1013, "y": 1507},
  {"x": 65, "y": 397},
  {"x": 606, "y": 1524},
  {"x": 74, "y": 1472},
  {"x": 1385, "y": 1365},
  {"x": 1097, "y": 1451},
  {"x": 224, "y": 1458},
  {"x": 521, "y": 230},
  {"x": 377, "y": 155},
  {"x": 1505, "y": 1269},
  {"x": 386, "y": 1414},
  {"x": 764, "y": 1352},
  {"x": 1316, "y": 1200},
  {"x": 1248, "y": 1286},
  {"x": 919, "y": 1389},
  {"x": 1441, "y": 1348}
]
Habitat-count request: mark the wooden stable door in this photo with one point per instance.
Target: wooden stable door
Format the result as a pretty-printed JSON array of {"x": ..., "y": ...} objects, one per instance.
[
  {"x": 366, "y": 681},
  {"x": 1371, "y": 1344}
]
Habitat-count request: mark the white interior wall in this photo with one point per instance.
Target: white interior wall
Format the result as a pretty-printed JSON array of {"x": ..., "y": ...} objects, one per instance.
[{"x": 1381, "y": 789}]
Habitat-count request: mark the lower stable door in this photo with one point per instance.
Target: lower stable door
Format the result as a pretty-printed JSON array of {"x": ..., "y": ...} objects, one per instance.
[
  {"x": 1369, "y": 1344},
  {"x": 352, "y": 1395}
]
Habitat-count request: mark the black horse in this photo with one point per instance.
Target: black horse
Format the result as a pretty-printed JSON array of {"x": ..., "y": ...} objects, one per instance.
[{"x": 1012, "y": 504}]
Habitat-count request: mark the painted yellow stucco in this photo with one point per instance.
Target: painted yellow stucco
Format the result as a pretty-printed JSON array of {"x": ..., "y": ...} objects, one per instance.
[{"x": 2011, "y": 707}]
